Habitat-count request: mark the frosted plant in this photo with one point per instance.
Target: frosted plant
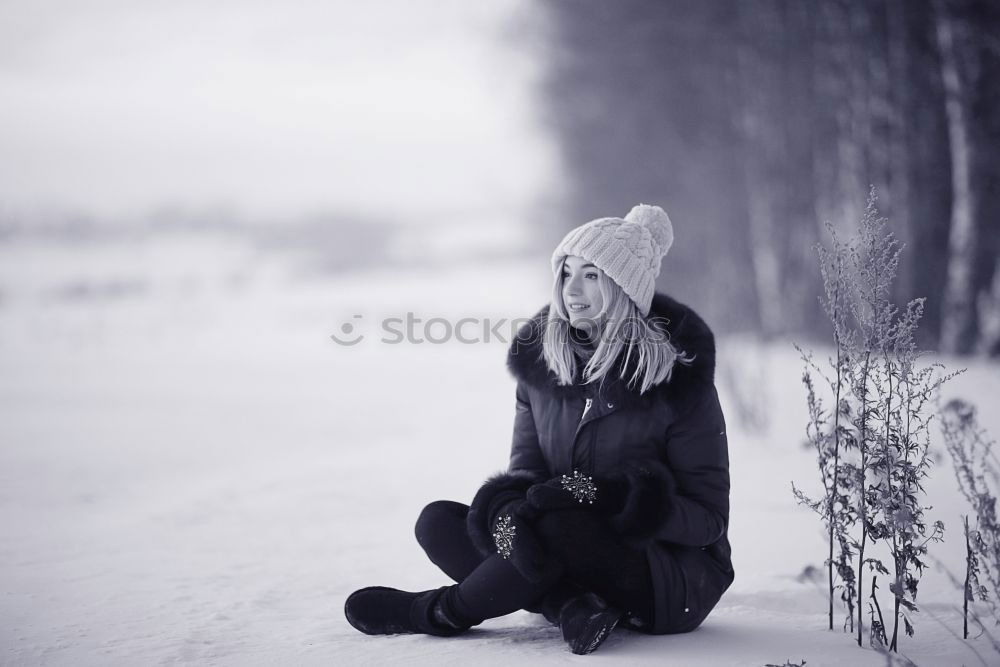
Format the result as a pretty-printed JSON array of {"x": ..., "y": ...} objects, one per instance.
[{"x": 978, "y": 475}]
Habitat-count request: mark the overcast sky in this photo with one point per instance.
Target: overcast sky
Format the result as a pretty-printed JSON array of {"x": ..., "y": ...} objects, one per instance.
[{"x": 390, "y": 108}]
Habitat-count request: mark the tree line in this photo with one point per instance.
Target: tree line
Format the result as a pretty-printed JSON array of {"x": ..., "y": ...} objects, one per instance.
[{"x": 756, "y": 122}]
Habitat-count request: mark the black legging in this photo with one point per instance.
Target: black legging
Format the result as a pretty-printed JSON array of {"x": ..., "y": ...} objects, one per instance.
[{"x": 588, "y": 555}]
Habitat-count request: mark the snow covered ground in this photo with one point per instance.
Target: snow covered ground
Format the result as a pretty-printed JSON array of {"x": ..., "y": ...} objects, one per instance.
[{"x": 191, "y": 471}]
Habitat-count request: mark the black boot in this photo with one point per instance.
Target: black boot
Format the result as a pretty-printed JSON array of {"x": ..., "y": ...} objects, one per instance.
[
  {"x": 586, "y": 621},
  {"x": 378, "y": 610}
]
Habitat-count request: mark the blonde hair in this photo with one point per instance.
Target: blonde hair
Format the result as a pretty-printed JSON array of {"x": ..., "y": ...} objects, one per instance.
[{"x": 623, "y": 329}]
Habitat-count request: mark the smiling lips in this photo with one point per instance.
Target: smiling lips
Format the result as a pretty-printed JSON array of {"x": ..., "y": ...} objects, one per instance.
[{"x": 577, "y": 307}]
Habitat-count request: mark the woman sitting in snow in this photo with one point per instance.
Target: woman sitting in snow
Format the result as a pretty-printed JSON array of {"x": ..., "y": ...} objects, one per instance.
[{"x": 615, "y": 505}]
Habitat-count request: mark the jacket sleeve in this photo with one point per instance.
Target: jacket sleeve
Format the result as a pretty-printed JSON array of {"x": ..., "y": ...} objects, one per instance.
[
  {"x": 697, "y": 454},
  {"x": 525, "y": 452}
]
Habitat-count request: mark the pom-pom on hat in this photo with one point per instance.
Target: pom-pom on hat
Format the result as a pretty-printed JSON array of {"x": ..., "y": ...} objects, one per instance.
[{"x": 629, "y": 250}]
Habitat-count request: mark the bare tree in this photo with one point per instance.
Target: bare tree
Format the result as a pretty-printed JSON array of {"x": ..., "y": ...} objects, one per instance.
[
  {"x": 958, "y": 306},
  {"x": 761, "y": 25}
]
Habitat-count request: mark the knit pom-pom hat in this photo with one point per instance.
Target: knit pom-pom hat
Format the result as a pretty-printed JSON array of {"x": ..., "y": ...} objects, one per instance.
[{"x": 629, "y": 250}]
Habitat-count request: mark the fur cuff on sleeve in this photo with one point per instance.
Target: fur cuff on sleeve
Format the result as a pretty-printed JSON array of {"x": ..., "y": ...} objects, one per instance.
[
  {"x": 499, "y": 490},
  {"x": 650, "y": 487}
]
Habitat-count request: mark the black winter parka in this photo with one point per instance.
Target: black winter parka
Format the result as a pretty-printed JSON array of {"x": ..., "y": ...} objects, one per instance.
[{"x": 678, "y": 423}]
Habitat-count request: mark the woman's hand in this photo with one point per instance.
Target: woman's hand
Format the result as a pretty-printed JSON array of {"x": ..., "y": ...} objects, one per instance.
[
  {"x": 516, "y": 541},
  {"x": 604, "y": 494},
  {"x": 637, "y": 498},
  {"x": 499, "y": 520}
]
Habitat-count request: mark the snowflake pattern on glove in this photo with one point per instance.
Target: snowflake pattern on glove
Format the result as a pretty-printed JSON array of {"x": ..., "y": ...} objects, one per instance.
[
  {"x": 581, "y": 486},
  {"x": 503, "y": 536}
]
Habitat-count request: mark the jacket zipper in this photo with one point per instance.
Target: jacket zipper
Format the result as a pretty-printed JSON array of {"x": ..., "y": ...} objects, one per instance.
[{"x": 586, "y": 407}]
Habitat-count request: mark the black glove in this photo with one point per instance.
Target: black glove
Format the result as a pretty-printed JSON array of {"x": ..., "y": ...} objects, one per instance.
[
  {"x": 635, "y": 497},
  {"x": 515, "y": 540},
  {"x": 500, "y": 494},
  {"x": 602, "y": 493}
]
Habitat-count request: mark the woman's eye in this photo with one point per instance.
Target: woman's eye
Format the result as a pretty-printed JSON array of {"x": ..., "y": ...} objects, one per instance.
[
  {"x": 565, "y": 275},
  {"x": 592, "y": 275}
]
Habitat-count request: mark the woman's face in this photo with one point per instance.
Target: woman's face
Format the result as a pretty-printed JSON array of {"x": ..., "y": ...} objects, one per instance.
[{"x": 581, "y": 293}]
